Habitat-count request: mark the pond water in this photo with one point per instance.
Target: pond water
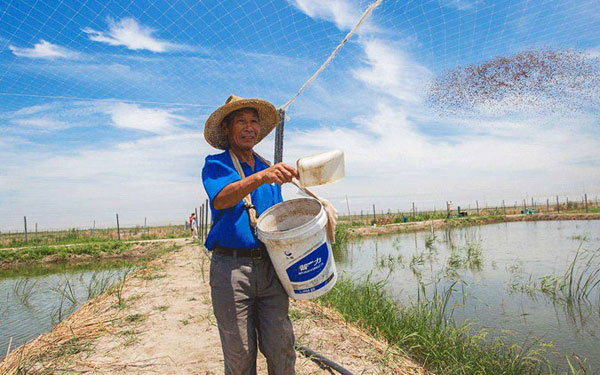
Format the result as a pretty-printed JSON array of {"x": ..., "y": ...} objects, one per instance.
[
  {"x": 32, "y": 303},
  {"x": 496, "y": 271}
]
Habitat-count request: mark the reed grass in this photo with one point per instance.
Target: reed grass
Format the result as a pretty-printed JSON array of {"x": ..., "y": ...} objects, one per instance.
[
  {"x": 577, "y": 284},
  {"x": 23, "y": 289},
  {"x": 426, "y": 331}
]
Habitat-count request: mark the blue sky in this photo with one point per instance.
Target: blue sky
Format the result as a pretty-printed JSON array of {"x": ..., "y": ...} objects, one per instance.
[{"x": 102, "y": 104}]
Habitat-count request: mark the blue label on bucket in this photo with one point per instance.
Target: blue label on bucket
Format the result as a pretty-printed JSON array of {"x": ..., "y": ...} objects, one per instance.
[
  {"x": 309, "y": 266},
  {"x": 316, "y": 287}
]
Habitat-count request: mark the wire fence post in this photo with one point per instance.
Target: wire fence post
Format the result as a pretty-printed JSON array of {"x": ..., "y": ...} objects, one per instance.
[
  {"x": 374, "y": 215},
  {"x": 118, "y": 228},
  {"x": 206, "y": 209},
  {"x": 195, "y": 229},
  {"x": 557, "y": 205},
  {"x": 201, "y": 223},
  {"x": 348, "y": 206},
  {"x": 93, "y": 228},
  {"x": 586, "y": 204},
  {"x": 503, "y": 207},
  {"x": 477, "y": 205},
  {"x": 36, "y": 230},
  {"x": 25, "y": 223},
  {"x": 145, "y": 227},
  {"x": 278, "y": 157},
  {"x": 414, "y": 213}
]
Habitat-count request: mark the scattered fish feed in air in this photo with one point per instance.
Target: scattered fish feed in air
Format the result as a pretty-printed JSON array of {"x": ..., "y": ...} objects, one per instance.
[{"x": 536, "y": 80}]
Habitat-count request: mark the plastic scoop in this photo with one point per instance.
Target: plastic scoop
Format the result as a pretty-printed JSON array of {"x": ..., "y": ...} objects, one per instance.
[{"x": 321, "y": 169}]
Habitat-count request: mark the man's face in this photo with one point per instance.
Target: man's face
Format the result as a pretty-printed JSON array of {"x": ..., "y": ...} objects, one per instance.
[{"x": 243, "y": 131}]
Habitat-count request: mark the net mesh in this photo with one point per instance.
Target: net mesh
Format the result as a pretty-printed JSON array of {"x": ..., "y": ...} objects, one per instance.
[{"x": 78, "y": 78}]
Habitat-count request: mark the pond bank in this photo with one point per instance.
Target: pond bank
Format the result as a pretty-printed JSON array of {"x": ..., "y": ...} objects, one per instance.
[
  {"x": 73, "y": 254},
  {"x": 160, "y": 320},
  {"x": 461, "y": 222}
]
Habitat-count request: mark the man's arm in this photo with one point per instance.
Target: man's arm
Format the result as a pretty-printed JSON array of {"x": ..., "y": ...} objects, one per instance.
[{"x": 233, "y": 193}]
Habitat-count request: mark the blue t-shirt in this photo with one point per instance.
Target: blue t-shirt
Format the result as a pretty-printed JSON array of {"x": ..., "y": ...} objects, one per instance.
[{"x": 231, "y": 226}]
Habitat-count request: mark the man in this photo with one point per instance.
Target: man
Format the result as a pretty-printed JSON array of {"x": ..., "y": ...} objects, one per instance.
[{"x": 249, "y": 302}]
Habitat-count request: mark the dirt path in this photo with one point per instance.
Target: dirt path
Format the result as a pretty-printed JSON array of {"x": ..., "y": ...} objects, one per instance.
[{"x": 165, "y": 325}]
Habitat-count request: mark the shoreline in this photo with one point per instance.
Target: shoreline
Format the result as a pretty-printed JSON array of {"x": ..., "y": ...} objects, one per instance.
[
  {"x": 83, "y": 253},
  {"x": 437, "y": 224},
  {"x": 160, "y": 319}
]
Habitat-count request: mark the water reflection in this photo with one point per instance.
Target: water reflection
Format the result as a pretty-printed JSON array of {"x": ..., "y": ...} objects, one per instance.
[
  {"x": 34, "y": 303},
  {"x": 510, "y": 276}
]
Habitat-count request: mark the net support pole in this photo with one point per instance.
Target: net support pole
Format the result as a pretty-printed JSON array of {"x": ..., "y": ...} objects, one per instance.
[
  {"x": 278, "y": 157},
  {"x": 25, "y": 231},
  {"x": 118, "y": 228}
]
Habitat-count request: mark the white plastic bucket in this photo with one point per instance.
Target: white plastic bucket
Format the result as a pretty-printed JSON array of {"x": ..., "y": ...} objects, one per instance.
[{"x": 296, "y": 239}]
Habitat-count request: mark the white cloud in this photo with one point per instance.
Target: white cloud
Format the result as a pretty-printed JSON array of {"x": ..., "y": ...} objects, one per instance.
[
  {"x": 44, "y": 50},
  {"x": 393, "y": 70},
  {"x": 343, "y": 13},
  {"x": 392, "y": 160},
  {"x": 152, "y": 120},
  {"x": 460, "y": 4},
  {"x": 129, "y": 33},
  {"x": 157, "y": 177},
  {"x": 99, "y": 113},
  {"x": 43, "y": 123}
]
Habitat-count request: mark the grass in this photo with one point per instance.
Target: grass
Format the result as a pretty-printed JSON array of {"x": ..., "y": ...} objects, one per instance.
[
  {"x": 162, "y": 308},
  {"x": 94, "y": 249},
  {"x": 135, "y": 318},
  {"x": 108, "y": 252},
  {"x": 72, "y": 347},
  {"x": 427, "y": 332},
  {"x": 576, "y": 285},
  {"x": 79, "y": 236},
  {"x": 24, "y": 289}
]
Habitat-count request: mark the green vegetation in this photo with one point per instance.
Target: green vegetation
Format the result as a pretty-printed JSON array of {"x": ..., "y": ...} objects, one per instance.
[
  {"x": 135, "y": 318},
  {"x": 473, "y": 215},
  {"x": 17, "y": 258},
  {"x": 23, "y": 289},
  {"x": 81, "y": 236},
  {"x": 94, "y": 249},
  {"x": 469, "y": 256},
  {"x": 427, "y": 332},
  {"x": 575, "y": 285},
  {"x": 72, "y": 347}
]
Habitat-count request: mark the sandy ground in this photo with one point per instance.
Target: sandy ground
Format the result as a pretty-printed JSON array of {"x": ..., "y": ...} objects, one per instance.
[{"x": 167, "y": 326}]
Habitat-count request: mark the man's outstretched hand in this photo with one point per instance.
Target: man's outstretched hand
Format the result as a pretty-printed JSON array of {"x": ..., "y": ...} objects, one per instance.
[{"x": 279, "y": 173}]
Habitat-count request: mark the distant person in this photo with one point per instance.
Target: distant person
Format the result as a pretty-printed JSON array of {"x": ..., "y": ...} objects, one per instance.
[
  {"x": 193, "y": 224},
  {"x": 248, "y": 299}
]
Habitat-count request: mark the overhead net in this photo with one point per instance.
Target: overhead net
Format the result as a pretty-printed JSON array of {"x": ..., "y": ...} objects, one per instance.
[{"x": 77, "y": 77}]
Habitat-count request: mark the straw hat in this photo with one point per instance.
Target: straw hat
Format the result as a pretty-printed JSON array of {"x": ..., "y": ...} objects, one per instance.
[{"x": 267, "y": 116}]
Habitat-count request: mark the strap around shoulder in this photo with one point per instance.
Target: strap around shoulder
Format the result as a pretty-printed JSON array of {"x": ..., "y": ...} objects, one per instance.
[{"x": 252, "y": 215}]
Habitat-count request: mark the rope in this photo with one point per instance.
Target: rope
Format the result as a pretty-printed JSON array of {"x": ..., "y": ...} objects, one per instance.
[
  {"x": 337, "y": 49},
  {"x": 107, "y": 99}
]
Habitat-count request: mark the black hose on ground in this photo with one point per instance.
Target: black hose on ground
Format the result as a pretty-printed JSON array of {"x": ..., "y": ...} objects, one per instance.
[{"x": 321, "y": 360}]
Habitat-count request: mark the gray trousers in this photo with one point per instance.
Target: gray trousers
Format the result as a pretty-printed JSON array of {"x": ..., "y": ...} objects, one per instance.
[{"x": 250, "y": 305}]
